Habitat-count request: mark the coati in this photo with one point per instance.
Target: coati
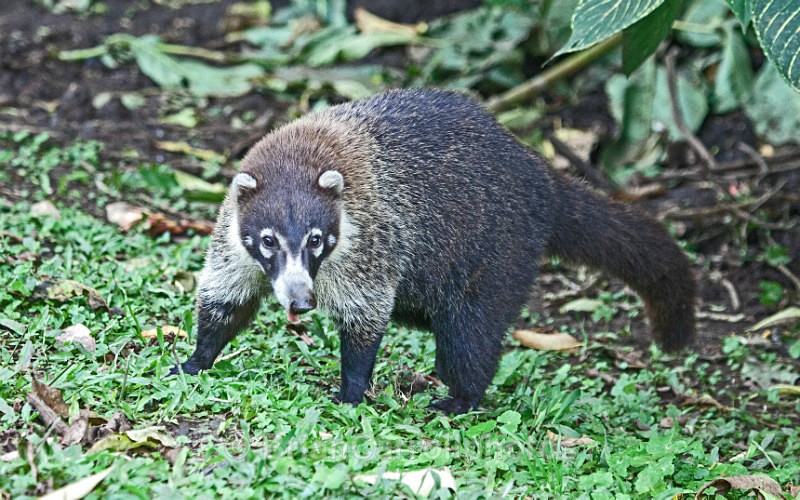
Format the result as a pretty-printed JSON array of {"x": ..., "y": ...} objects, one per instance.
[{"x": 417, "y": 205}]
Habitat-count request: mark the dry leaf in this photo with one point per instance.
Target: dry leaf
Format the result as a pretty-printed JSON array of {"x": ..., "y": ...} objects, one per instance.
[
  {"x": 792, "y": 390},
  {"x": 51, "y": 397},
  {"x": 368, "y": 22},
  {"x": 64, "y": 290},
  {"x": 151, "y": 437},
  {"x": 78, "y": 489},
  {"x": 166, "y": 330},
  {"x": 569, "y": 442},
  {"x": 77, "y": 333},
  {"x": 10, "y": 456},
  {"x": 789, "y": 314},
  {"x": 160, "y": 224},
  {"x": 421, "y": 482},
  {"x": 75, "y": 432},
  {"x": 704, "y": 400},
  {"x": 45, "y": 209},
  {"x": 185, "y": 148},
  {"x": 758, "y": 483},
  {"x": 124, "y": 215},
  {"x": 547, "y": 341}
]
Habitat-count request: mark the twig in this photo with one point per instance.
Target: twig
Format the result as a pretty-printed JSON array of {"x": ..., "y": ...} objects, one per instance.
[
  {"x": 537, "y": 84},
  {"x": 713, "y": 316},
  {"x": 734, "y": 296},
  {"x": 789, "y": 274},
  {"x": 677, "y": 116},
  {"x": 587, "y": 170},
  {"x": 232, "y": 355},
  {"x": 763, "y": 168}
]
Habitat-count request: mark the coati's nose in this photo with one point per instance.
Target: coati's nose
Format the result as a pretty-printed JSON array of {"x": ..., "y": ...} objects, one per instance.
[{"x": 303, "y": 305}]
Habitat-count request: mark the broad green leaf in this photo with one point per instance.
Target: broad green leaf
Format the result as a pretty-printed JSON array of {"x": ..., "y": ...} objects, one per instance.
[
  {"x": 777, "y": 24},
  {"x": 742, "y": 9},
  {"x": 702, "y": 23},
  {"x": 631, "y": 102},
  {"x": 481, "y": 428},
  {"x": 640, "y": 40},
  {"x": 229, "y": 81},
  {"x": 774, "y": 107},
  {"x": 200, "y": 78},
  {"x": 734, "y": 80},
  {"x": 162, "y": 68},
  {"x": 354, "y": 46},
  {"x": 596, "y": 20}
]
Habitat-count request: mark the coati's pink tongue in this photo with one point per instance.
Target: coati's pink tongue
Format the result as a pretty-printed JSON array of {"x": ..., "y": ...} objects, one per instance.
[{"x": 292, "y": 317}]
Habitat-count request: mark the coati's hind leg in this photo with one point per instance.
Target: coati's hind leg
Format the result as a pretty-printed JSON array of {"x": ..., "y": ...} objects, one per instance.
[{"x": 468, "y": 347}]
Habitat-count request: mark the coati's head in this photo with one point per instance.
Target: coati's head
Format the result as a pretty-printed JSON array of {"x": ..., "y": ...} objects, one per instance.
[{"x": 289, "y": 226}]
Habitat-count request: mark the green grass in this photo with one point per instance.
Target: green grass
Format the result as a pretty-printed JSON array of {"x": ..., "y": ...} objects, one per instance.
[{"x": 262, "y": 422}]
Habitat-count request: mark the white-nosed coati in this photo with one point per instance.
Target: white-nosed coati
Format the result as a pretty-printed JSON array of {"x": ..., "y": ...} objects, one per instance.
[{"x": 417, "y": 204}]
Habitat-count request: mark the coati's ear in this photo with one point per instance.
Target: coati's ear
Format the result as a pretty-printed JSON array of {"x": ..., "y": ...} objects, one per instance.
[
  {"x": 331, "y": 179},
  {"x": 241, "y": 181}
]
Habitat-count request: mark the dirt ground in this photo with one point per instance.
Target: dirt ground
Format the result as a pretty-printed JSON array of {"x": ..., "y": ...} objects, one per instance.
[{"x": 40, "y": 93}]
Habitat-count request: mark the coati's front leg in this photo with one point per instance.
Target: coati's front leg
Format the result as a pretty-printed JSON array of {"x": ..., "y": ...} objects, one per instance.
[
  {"x": 359, "y": 348},
  {"x": 230, "y": 291},
  {"x": 361, "y": 316}
]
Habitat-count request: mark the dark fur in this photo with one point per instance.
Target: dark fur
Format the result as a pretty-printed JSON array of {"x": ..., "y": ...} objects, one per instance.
[{"x": 454, "y": 216}]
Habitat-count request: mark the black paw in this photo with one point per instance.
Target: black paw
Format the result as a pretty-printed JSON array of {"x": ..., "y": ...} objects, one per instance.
[
  {"x": 189, "y": 368},
  {"x": 351, "y": 399},
  {"x": 453, "y": 406}
]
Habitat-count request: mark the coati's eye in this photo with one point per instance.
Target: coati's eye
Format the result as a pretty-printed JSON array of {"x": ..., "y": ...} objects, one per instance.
[
  {"x": 314, "y": 241},
  {"x": 268, "y": 241}
]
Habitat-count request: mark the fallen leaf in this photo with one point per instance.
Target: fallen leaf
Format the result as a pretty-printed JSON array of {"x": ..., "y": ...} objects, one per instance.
[
  {"x": 368, "y": 22},
  {"x": 788, "y": 314},
  {"x": 117, "y": 424},
  {"x": 569, "y": 442},
  {"x": 124, "y": 215},
  {"x": 670, "y": 422},
  {"x": 185, "y": 148},
  {"x": 80, "y": 334},
  {"x": 10, "y": 456},
  {"x": 758, "y": 483},
  {"x": 45, "y": 209},
  {"x": 547, "y": 341},
  {"x": 185, "y": 281},
  {"x": 166, "y": 330},
  {"x": 703, "y": 400},
  {"x": 14, "y": 326},
  {"x": 792, "y": 390},
  {"x": 151, "y": 437},
  {"x": 421, "y": 482},
  {"x": 76, "y": 431},
  {"x": 582, "y": 304},
  {"x": 51, "y": 397},
  {"x": 64, "y": 290},
  {"x": 78, "y": 489},
  {"x": 160, "y": 224}
]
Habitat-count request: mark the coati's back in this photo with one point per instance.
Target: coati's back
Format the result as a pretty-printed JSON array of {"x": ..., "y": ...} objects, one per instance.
[{"x": 465, "y": 201}]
